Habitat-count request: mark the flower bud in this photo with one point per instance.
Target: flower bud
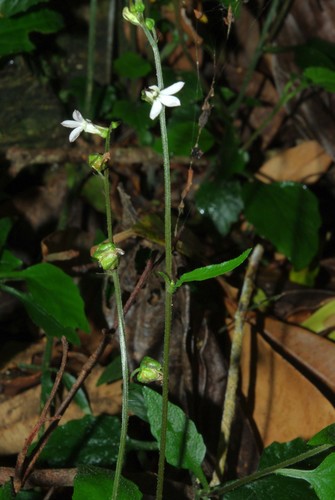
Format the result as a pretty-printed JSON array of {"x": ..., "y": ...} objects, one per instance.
[
  {"x": 130, "y": 16},
  {"x": 150, "y": 370},
  {"x": 107, "y": 254},
  {"x": 150, "y": 23},
  {"x": 96, "y": 161}
]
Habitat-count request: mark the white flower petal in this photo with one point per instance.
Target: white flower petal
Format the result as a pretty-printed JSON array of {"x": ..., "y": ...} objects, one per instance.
[
  {"x": 156, "y": 108},
  {"x": 154, "y": 88},
  {"x": 70, "y": 124},
  {"x": 75, "y": 134},
  {"x": 77, "y": 116},
  {"x": 90, "y": 128},
  {"x": 173, "y": 89},
  {"x": 169, "y": 100}
]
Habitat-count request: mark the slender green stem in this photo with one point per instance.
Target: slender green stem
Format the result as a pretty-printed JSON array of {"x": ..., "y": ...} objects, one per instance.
[
  {"x": 267, "y": 471},
  {"x": 122, "y": 335},
  {"x": 90, "y": 56},
  {"x": 168, "y": 268},
  {"x": 125, "y": 379}
]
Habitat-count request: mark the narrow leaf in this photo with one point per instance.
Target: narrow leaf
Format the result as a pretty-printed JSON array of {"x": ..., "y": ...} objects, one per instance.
[
  {"x": 80, "y": 397},
  {"x": 185, "y": 447},
  {"x": 212, "y": 271},
  {"x": 112, "y": 372}
]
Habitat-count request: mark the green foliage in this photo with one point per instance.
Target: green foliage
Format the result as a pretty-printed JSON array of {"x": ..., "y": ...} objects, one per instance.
[
  {"x": 221, "y": 201},
  {"x": 211, "y": 271},
  {"x": 53, "y": 301},
  {"x": 287, "y": 214},
  {"x": 132, "y": 65},
  {"x": 112, "y": 372},
  {"x": 96, "y": 483},
  {"x": 323, "y": 77},
  {"x": 325, "y": 436},
  {"x": 181, "y": 140},
  {"x": 90, "y": 440},
  {"x": 14, "y": 32},
  {"x": 6, "y": 491},
  {"x": 185, "y": 447},
  {"x": 80, "y": 397}
]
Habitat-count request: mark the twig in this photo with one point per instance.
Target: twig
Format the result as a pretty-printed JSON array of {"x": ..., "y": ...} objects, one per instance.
[
  {"x": 85, "y": 371},
  {"x": 44, "y": 478},
  {"x": 22, "y": 467},
  {"x": 235, "y": 356}
]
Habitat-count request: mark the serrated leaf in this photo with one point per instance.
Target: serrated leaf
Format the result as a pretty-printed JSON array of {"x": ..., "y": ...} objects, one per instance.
[
  {"x": 112, "y": 372},
  {"x": 11, "y": 7},
  {"x": 89, "y": 440},
  {"x": 322, "y": 478},
  {"x": 325, "y": 436},
  {"x": 221, "y": 201},
  {"x": 80, "y": 397},
  {"x": 212, "y": 271},
  {"x": 185, "y": 447},
  {"x": 287, "y": 214},
  {"x": 131, "y": 65},
  {"x": 14, "y": 32},
  {"x": 96, "y": 483},
  {"x": 324, "y": 77}
]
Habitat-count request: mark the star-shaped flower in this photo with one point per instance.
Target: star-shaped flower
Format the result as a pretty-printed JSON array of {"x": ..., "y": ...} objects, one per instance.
[
  {"x": 79, "y": 124},
  {"x": 159, "y": 98}
]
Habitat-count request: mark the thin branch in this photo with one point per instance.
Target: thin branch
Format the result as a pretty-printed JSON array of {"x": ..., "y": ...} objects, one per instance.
[{"x": 235, "y": 356}]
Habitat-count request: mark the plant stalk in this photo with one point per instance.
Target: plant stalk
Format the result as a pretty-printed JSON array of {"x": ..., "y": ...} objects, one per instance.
[{"x": 90, "y": 57}]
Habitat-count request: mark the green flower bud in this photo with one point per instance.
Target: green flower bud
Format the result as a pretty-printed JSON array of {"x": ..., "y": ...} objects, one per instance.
[
  {"x": 139, "y": 7},
  {"x": 96, "y": 161},
  {"x": 150, "y": 23},
  {"x": 130, "y": 16},
  {"x": 107, "y": 255},
  {"x": 150, "y": 370}
]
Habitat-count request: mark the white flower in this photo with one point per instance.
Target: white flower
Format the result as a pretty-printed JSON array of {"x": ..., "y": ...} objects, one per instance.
[
  {"x": 79, "y": 124},
  {"x": 165, "y": 97}
]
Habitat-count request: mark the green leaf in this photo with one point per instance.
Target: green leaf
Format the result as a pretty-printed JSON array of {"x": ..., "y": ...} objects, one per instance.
[
  {"x": 272, "y": 488},
  {"x": 287, "y": 214},
  {"x": 323, "y": 77},
  {"x": 321, "y": 318},
  {"x": 8, "y": 262},
  {"x": 80, "y": 397},
  {"x": 136, "y": 116},
  {"x": 325, "y": 436},
  {"x": 315, "y": 52},
  {"x": 14, "y": 32},
  {"x": 181, "y": 139},
  {"x": 322, "y": 478},
  {"x": 212, "y": 271},
  {"x": 90, "y": 440},
  {"x": 276, "y": 453},
  {"x": 41, "y": 317},
  {"x": 5, "y": 227},
  {"x": 185, "y": 447},
  {"x": 11, "y": 7},
  {"x": 7, "y": 491},
  {"x": 96, "y": 483},
  {"x": 112, "y": 372},
  {"x": 57, "y": 294},
  {"x": 92, "y": 191},
  {"x": 221, "y": 201},
  {"x": 137, "y": 404},
  {"x": 131, "y": 65}
]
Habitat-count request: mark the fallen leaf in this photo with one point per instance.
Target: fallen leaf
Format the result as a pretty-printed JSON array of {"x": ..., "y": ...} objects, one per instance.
[{"x": 303, "y": 163}]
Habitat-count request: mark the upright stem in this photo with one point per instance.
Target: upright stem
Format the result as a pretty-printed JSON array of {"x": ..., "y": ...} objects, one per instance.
[
  {"x": 168, "y": 268},
  {"x": 90, "y": 56},
  {"x": 122, "y": 336}
]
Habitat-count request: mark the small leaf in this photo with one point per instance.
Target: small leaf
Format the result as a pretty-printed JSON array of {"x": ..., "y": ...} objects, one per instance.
[
  {"x": 185, "y": 447},
  {"x": 14, "y": 32},
  {"x": 131, "y": 65},
  {"x": 287, "y": 214},
  {"x": 323, "y": 77},
  {"x": 96, "y": 483},
  {"x": 8, "y": 262},
  {"x": 212, "y": 271},
  {"x": 221, "y": 201},
  {"x": 137, "y": 404},
  {"x": 325, "y": 436},
  {"x": 92, "y": 191},
  {"x": 80, "y": 397},
  {"x": 322, "y": 478},
  {"x": 90, "y": 440},
  {"x": 112, "y": 372},
  {"x": 319, "y": 320}
]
